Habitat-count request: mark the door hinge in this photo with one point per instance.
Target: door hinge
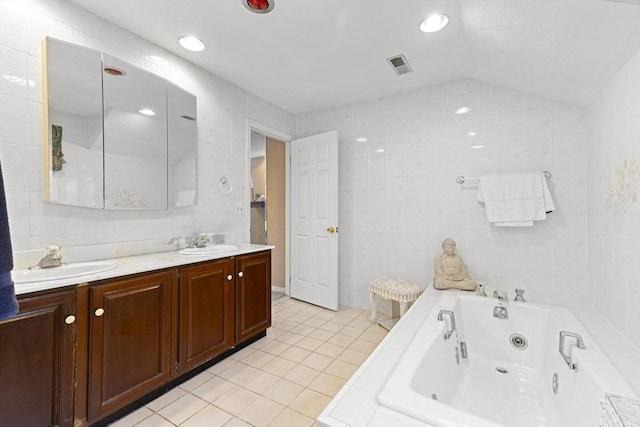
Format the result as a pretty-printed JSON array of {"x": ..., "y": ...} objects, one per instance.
[
  {"x": 177, "y": 366},
  {"x": 179, "y": 274}
]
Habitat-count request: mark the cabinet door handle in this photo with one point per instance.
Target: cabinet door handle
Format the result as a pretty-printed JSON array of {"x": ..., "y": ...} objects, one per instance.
[
  {"x": 70, "y": 319},
  {"x": 240, "y": 274},
  {"x": 99, "y": 312},
  {"x": 229, "y": 277}
]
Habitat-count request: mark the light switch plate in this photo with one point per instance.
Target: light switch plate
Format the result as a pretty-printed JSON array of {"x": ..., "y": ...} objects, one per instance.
[{"x": 239, "y": 208}]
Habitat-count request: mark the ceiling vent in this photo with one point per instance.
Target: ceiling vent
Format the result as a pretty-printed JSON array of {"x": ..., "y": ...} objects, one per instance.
[{"x": 399, "y": 64}]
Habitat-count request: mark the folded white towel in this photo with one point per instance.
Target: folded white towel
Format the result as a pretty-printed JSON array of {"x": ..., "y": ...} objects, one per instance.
[{"x": 515, "y": 199}]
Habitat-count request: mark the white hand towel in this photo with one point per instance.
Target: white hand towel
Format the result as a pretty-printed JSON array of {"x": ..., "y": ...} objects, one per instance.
[{"x": 515, "y": 199}]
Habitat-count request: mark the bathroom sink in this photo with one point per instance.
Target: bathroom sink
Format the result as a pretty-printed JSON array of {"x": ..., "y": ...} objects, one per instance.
[
  {"x": 209, "y": 250},
  {"x": 65, "y": 271}
]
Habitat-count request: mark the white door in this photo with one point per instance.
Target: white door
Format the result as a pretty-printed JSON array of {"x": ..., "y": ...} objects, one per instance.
[{"x": 314, "y": 219}]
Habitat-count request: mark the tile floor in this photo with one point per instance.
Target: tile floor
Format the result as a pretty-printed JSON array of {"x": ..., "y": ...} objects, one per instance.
[{"x": 285, "y": 379}]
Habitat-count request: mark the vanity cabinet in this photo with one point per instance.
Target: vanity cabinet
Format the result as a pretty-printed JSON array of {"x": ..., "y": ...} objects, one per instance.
[
  {"x": 222, "y": 303},
  {"x": 253, "y": 294},
  {"x": 130, "y": 339},
  {"x": 78, "y": 356},
  {"x": 206, "y": 319},
  {"x": 37, "y": 362}
]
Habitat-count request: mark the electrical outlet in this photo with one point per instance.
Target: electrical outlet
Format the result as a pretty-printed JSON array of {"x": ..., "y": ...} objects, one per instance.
[{"x": 239, "y": 208}]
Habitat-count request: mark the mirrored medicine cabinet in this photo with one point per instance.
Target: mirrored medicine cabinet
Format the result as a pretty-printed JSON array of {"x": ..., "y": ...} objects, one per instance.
[{"x": 115, "y": 136}]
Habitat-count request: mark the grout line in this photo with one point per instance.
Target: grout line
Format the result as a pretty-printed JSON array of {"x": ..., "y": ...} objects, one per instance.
[{"x": 294, "y": 308}]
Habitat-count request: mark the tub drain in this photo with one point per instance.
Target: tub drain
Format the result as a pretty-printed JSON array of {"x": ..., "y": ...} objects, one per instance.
[
  {"x": 502, "y": 370},
  {"x": 518, "y": 341}
]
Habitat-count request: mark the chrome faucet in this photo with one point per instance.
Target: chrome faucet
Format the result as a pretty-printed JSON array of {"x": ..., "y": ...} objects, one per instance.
[
  {"x": 447, "y": 334},
  {"x": 198, "y": 241},
  {"x": 520, "y": 295},
  {"x": 579, "y": 344},
  {"x": 51, "y": 259},
  {"x": 481, "y": 292},
  {"x": 501, "y": 295}
]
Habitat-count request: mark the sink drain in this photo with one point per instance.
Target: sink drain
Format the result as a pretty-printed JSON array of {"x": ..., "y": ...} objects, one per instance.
[
  {"x": 518, "y": 341},
  {"x": 502, "y": 370}
]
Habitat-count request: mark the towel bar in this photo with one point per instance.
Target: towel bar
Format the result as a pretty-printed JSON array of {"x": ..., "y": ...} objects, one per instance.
[{"x": 461, "y": 179}]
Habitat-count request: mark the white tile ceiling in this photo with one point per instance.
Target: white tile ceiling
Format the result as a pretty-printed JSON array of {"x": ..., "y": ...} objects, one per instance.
[{"x": 308, "y": 55}]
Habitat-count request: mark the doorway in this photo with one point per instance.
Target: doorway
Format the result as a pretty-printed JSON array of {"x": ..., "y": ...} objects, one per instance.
[{"x": 268, "y": 208}]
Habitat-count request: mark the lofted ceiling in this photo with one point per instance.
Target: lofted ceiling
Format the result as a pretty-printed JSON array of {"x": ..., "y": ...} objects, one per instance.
[{"x": 308, "y": 55}]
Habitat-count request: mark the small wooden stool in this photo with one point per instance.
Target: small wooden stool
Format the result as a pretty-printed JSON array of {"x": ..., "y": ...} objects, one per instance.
[{"x": 400, "y": 290}]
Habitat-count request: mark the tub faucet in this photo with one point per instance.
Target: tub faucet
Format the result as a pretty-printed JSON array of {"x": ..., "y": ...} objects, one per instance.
[
  {"x": 481, "y": 292},
  {"x": 51, "y": 259},
  {"x": 520, "y": 295},
  {"x": 579, "y": 344},
  {"x": 447, "y": 334},
  {"x": 198, "y": 241},
  {"x": 501, "y": 295}
]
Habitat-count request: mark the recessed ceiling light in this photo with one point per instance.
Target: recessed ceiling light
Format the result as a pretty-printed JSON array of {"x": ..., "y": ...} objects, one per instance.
[
  {"x": 259, "y": 6},
  {"x": 434, "y": 23},
  {"x": 361, "y": 139},
  {"x": 380, "y": 150},
  {"x": 463, "y": 110},
  {"x": 147, "y": 112},
  {"x": 113, "y": 71},
  {"x": 158, "y": 59},
  {"x": 471, "y": 133},
  {"x": 192, "y": 43}
]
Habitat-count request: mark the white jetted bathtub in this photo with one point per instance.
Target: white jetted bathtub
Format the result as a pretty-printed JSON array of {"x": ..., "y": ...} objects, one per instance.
[{"x": 495, "y": 371}]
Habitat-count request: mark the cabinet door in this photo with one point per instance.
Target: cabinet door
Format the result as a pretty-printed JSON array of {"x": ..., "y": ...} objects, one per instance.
[
  {"x": 36, "y": 362},
  {"x": 206, "y": 312},
  {"x": 130, "y": 344},
  {"x": 253, "y": 294}
]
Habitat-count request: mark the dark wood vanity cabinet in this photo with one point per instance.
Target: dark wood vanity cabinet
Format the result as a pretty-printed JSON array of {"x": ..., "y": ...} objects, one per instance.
[
  {"x": 77, "y": 356},
  {"x": 37, "y": 362},
  {"x": 206, "y": 319},
  {"x": 222, "y": 303},
  {"x": 130, "y": 339},
  {"x": 253, "y": 294}
]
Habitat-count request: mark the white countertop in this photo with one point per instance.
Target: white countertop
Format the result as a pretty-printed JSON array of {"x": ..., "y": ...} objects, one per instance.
[
  {"x": 138, "y": 264},
  {"x": 356, "y": 404}
]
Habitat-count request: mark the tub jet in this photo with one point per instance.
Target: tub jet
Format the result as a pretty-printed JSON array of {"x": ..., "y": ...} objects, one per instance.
[
  {"x": 502, "y": 370},
  {"x": 518, "y": 341}
]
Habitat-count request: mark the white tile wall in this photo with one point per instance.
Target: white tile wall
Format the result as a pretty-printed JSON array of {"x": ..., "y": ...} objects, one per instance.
[
  {"x": 614, "y": 237},
  {"x": 222, "y": 113},
  {"x": 399, "y": 197},
  {"x": 396, "y": 205}
]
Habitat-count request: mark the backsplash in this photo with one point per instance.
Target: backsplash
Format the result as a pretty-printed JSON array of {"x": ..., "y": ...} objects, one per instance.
[
  {"x": 614, "y": 200},
  {"x": 399, "y": 197},
  {"x": 223, "y": 110}
]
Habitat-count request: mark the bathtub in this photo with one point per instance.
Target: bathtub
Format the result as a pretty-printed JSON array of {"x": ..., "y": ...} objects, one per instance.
[{"x": 506, "y": 376}]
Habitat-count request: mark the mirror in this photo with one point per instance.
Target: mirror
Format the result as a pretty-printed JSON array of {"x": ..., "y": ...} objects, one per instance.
[
  {"x": 73, "y": 126},
  {"x": 135, "y": 137},
  {"x": 118, "y": 137},
  {"x": 182, "y": 116}
]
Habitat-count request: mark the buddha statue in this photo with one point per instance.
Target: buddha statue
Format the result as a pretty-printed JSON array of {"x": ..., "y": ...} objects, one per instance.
[{"x": 450, "y": 272}]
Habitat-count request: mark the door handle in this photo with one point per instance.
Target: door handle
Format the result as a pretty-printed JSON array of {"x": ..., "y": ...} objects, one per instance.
[
  {"x": 240, "y": 274},
  {"x": 99, "y": 312},
  {"x": 229, "y": 277},
  {"x": 70, "y": 319},
  {"x": 332, "y": 230}
]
